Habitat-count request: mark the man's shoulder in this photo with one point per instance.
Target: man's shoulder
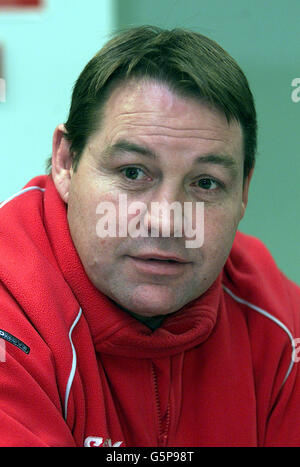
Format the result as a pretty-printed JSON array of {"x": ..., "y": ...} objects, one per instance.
[
  {"x": 22, "y": 224},
  {"x": 250, "y": 260},
  {"x": 28, "y": 266},
  {"x": 32, "y": 284},
  {"x": 22, "y": 212},
  {"x": 253, "y": 278},
  {"x": 21, "y": 198},
  {"x": 248, "y": 250}
]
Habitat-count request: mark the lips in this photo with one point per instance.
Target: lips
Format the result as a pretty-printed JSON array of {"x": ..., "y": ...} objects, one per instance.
[
  {"x": 161, "y": 257},
  {"x": 159, "y": 264}
]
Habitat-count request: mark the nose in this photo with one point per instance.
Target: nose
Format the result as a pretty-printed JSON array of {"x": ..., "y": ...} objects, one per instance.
[{"x": 164, "y": 215}]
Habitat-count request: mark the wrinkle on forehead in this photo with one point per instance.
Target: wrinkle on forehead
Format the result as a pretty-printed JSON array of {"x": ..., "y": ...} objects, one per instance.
[
  {"x": 139, "y": 122},
  {"x": 118, "y": 128},
  {"x": 160, "y": 123},
  {"x": 152, "y": 110}
]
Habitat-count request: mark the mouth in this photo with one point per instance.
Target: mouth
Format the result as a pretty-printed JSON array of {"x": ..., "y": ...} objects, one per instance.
[{"x": 158, "y": 264}]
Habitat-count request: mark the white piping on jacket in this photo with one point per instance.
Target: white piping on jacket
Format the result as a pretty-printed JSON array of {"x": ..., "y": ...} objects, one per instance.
[
  {"x": 272, "y": 318},
  {"x": 73, "y": 366},
  {"x": 20, "y": 193}
]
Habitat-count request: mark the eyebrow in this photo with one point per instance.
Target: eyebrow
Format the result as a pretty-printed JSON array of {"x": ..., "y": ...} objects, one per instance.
[{"x": 124, "y": 146}]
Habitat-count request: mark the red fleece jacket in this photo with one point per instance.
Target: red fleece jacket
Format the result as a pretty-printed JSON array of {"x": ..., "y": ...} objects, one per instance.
[{"x": 77, "y": 370}]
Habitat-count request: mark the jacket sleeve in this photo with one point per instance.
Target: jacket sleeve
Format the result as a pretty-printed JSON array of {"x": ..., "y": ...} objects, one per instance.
[
  {"x": 30, "y": 407},
  {"x": 283, "y": 426}
]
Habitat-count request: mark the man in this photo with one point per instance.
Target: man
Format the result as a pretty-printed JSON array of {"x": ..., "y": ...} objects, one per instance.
[{"x": 118, "y": 336}]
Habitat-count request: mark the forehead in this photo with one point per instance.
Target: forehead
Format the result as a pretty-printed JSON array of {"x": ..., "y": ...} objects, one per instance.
[{"x": 149, "y": 109}]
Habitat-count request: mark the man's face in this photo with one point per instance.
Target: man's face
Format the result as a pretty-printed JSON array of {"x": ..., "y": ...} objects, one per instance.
[{"x": 151, "y": 146}]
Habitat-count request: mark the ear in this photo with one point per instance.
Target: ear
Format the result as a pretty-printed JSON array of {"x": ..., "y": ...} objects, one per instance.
[
  {"x": 61, "y": 162},
  {"x": 246, "y": 192}
]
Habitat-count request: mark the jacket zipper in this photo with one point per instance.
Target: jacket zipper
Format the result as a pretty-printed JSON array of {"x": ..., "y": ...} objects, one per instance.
[{"x": 163, "y": 426}]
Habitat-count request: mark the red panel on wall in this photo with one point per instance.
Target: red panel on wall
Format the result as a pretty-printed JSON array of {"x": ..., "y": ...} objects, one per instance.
[{"x": 20, "y": 3}]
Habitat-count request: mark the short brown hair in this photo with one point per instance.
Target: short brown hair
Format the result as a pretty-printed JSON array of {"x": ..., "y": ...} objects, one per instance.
[{"x": 191, "y": 64}]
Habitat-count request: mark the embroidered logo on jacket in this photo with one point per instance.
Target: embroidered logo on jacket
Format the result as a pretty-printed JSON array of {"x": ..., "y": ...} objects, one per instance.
[
  {"x": 13, "y": 340},
  {"x": 98, "y": 442}
]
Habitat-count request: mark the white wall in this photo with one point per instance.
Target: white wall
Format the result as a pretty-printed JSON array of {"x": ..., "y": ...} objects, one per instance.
[{"x": 44, "y": 52}]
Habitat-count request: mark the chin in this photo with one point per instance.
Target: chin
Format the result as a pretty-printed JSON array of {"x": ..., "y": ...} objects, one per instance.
[{"x": 150, "y": 300}]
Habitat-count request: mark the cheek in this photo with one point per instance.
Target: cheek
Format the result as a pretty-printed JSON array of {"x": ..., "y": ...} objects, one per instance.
[
  {"x": 81, "y": 215},
  {"x": 82, "y": 218},
  {"x": 220, "y": 225}
]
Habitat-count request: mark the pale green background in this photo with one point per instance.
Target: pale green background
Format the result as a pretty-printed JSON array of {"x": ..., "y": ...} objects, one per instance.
[{"x": 45, "y": 53}]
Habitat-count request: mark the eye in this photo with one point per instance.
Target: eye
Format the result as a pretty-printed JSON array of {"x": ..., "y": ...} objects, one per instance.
[
  {"x": 207, "y": 183},
  {"x": 133, "y": 173}
]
